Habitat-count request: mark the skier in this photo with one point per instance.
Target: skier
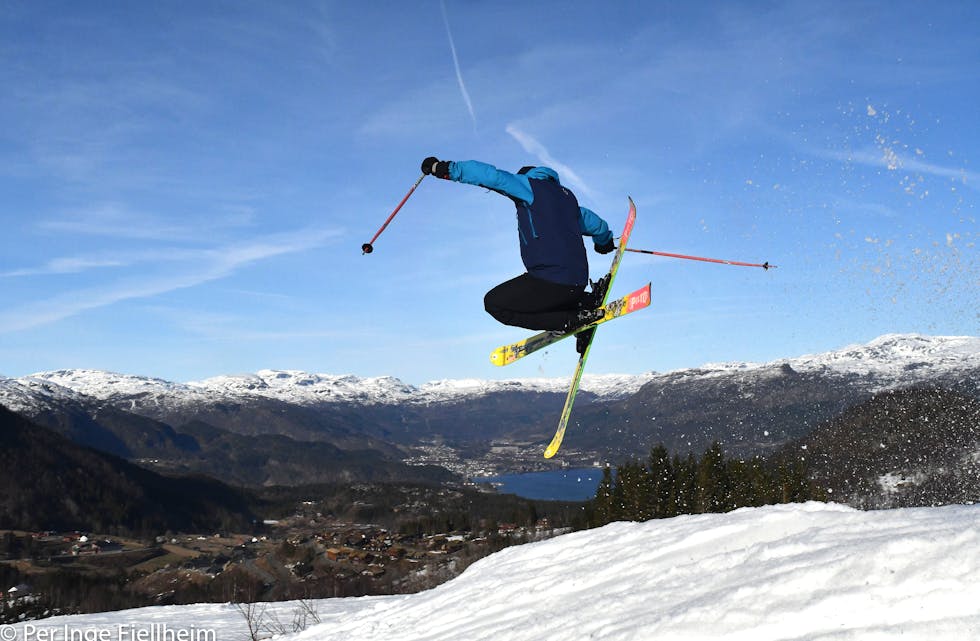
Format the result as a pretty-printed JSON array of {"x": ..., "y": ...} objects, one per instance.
[{"x": 550, "y": 223}]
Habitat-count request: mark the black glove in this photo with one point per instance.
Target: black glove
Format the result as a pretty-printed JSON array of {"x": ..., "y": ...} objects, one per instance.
[
  {"x": 435, "y": 167},
  {"x": 605, "y": 249}
]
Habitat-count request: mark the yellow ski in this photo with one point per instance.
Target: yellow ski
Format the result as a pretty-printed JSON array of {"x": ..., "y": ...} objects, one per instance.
[
  {"x": 566, "y": 412},
  {"x": 507, "y": 354}
]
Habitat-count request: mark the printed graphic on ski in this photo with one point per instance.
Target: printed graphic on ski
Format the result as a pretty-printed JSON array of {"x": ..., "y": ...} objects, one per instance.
[
  {"x": 507, "y": 354},
  {"x": 566, "y": 412}
]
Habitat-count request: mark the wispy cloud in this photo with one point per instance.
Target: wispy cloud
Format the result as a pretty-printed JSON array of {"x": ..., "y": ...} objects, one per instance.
[
  {"x": 459, "y": 74},
  {"x": 197, "y": 267},
  {"x": 119, "y": 221},
  {"x": 235, "y": 327},
  {"x": 567, "y": 174},
  {"x": 872, "y": 209},
  {"x": 65, "y": 265},
  {"x": 890, "y": 159}
]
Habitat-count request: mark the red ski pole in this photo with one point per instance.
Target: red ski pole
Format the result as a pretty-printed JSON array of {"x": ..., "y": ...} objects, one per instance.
[
  {"x": 765, "y": 265},
  {"x": 368, "y": 247}
]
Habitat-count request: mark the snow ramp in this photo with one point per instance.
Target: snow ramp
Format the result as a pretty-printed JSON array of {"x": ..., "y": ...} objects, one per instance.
[{"x": 796, "y": 572}]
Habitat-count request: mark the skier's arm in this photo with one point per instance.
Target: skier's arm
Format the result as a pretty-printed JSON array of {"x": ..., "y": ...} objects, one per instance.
[
  {"x": 474, "y": 172},
  {"x": 592, "y": 225}
]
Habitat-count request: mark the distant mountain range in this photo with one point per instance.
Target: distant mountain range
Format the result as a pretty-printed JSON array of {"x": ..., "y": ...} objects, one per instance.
[
  {"x": 296, "y": 427},
  {"x": 888, "y": 361}
]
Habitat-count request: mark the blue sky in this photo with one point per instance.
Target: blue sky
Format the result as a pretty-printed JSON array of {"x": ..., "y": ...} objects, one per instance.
[{"x": 186, "y": 186}]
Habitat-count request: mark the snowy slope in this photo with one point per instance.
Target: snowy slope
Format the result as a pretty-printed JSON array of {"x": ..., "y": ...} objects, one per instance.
[
  {"x": 811, "y": 572},
  {"x": 892, "y": 360},
  {"x": 31, "y": 394},
  {"x": 891, "y": 356}
]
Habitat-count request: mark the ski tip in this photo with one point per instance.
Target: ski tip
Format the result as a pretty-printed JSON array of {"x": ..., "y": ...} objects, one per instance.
[{"x": 555, "y": 443}]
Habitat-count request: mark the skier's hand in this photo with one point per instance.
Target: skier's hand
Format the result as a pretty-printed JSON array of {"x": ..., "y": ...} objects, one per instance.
[
  {"x": 432, "y": 166},
  {"x": 605, "y": 249}
]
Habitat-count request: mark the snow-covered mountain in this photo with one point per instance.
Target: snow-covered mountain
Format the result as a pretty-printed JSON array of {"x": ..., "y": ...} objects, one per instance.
[
  {"x": 820, "y": 572},
  {"x": 756, "y": 408},
  {"x": 35, "y": 394},
  {"x": 310, "y": 389},
  {"x": 888, "y": 361},
  {"x": 890, "y": 358}
]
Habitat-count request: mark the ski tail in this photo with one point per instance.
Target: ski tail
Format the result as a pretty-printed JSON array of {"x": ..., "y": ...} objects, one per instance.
[{"x": 566, "y": 411}]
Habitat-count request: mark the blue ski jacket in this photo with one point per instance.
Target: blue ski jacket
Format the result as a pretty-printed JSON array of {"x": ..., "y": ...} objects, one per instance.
[{"x": 550, "y": 222}]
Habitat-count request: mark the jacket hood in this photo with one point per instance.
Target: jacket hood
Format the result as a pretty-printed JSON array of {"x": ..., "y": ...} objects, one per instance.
[{"x": 543, "y": 173}]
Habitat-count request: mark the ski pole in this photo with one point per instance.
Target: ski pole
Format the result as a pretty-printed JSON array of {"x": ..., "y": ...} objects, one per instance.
[
  {"x": 764, "y": 265},
  {"x": 368, "y": 247}
]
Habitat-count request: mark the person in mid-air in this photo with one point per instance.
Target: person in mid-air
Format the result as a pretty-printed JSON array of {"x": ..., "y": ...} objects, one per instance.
[{"x": 551, "y": 296}]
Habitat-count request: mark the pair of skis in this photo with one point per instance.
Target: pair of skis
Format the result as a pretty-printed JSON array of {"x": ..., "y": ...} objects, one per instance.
[{"x": 637, "y": 300}]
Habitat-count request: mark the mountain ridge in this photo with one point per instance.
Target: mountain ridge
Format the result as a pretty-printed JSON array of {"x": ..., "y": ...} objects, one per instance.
[
  {"x": 891, "y": 356},
  {"x": 750, "y": 408}
]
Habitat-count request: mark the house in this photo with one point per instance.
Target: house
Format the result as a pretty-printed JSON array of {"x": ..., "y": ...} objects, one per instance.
[
  {"x": 18, "y": 591},
  {"x": 107, "y": 545}
]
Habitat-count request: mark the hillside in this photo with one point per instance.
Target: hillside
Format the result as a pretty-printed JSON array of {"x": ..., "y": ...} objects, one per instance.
[
  {"x": 750, "y": 408},
  {"x": 201, "y": 448},
  {"x": 51, "y": 483},
  {"x": 781, "y": 573},
  {"x": 909, "y": 447}
]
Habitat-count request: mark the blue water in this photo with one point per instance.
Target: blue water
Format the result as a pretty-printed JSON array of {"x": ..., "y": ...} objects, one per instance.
[{"x": 558, "y": 485}]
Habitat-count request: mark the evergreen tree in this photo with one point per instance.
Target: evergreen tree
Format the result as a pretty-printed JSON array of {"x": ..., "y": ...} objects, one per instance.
[
  {"x": 602, "y": 504},
  {"x": 794, "y": 483},
  {"x": 666, "y": 486},
  {"x": 632, "y": 489},
  {"x": 713, "y": 485},
  {"x": 685, "y": 486},
  {"x": 662, "y": 478}
]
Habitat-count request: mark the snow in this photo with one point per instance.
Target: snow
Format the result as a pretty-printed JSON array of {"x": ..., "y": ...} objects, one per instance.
[
  {"x": 893, "y": 482},
  {"x": 890, "y": 356},
  {"x": 306, "y": 388},
  {"x": 897, "y": 353},
  {"x": 801, "y": 572},
  {"x": 30, "y": 394},
  {"x": 607, "y": 386}
]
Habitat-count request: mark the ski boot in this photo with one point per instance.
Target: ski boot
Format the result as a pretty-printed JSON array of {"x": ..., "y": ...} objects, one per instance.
[
  {"x": 591, "y": 301},
  {"x": 595, "y": 297}
]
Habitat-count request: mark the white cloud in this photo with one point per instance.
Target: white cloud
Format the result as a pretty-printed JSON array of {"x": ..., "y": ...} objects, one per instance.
[
  {"x": 195, "y": 268},
  {"x": 566, "y": 173}
]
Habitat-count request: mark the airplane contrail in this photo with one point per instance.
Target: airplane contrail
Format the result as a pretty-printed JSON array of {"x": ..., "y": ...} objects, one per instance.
[{"x": 459, "y": 74}]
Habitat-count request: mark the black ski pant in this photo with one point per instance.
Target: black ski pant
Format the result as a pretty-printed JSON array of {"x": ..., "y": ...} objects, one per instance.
[{"x": 534, "y": 303}]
